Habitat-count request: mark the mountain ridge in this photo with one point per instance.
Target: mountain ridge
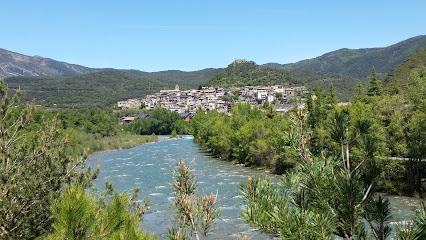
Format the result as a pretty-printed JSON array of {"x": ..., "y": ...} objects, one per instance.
[
  {"x": 400, "y": 75},
  {"x": 14, "y": 64},
  {"x": 357, "y": 63}
]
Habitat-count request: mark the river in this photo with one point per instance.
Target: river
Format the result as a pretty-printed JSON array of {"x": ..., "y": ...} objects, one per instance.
[{"x": 149, "y": 166}]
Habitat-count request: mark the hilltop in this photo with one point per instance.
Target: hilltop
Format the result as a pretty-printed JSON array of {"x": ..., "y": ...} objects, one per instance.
[
  {"x": 248, "y": 73},
  {"x": 242, "y": 73}
]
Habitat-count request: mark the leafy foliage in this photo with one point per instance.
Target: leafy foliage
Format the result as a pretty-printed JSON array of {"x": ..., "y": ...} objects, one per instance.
[
  {"x": 325, "y": 194},
  {"x": 34, "y": 168},
  {"x": 161, "y": 122},
  {"x": 248, "y": 136}
]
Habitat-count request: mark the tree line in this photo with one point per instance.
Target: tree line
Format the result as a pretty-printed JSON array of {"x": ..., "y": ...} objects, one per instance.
[{"x": 255, "y": 137}]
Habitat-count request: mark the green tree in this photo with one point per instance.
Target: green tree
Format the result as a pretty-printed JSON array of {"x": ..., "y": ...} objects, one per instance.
[
  {"x": 34, "y": 167},
  {"x": 331, "y": 98},
  {"x": 173, "y": 134},
  {"x": 359, "y": 94},
  {"x": 79, "y": 216},
  {"x": 414, "y": 230},
  {"x": 325, "y": 195},
  {"x": 374, "y": 86}
]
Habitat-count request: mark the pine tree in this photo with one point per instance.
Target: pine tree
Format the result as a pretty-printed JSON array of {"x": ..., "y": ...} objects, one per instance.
[
  {"x": 79, "y": 216},
  {"x": 331, "y": 98},
  {"x": 375, "y": 86},
  {"x": 393, "y": 87},
  {"x": 325, "y": 195},
  {"x": 34, "y": 167},
  {"x": 359, "y": 93}
]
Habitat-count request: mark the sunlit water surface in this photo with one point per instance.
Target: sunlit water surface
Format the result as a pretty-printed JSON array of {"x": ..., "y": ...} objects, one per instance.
[{"x": 149, "y": 167}]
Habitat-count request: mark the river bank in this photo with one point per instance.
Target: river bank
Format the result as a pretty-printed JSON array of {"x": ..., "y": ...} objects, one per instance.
[
  {"x": 120, "y": 142},
  {"x": 149, "y": 166}
]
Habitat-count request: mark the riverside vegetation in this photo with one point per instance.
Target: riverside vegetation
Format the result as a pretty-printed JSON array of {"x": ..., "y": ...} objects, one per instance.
[
  {"x": 333, "y": 160},
  {"x": 255, "y": 137}
]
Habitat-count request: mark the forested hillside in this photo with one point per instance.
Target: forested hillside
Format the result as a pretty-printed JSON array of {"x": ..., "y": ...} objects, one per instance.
[
  {"x": 398, "y": 77},
  {"x": 186, "y": 80},
  {"x": 248, "y": 73},
  {"x": 94, "y": 90},
  {"x": 357, "y": 63},
  {"x": 103, "y": 89}
]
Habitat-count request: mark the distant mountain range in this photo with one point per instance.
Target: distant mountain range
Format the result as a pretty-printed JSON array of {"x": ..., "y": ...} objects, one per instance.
[
  {"x": 64, "y": 85},
  {"x": 14, "y": 64},
  {"x": 357, "y": 63}
]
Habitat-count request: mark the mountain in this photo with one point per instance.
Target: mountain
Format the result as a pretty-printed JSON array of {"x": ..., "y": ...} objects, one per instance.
[
  {"x": 358, "y": 63},
  {"x": 83, "y": 87},
  {"x": 400, "y": 75},
  {"x": 93, "y": 90},
  {"x": 14, "y": 64}
]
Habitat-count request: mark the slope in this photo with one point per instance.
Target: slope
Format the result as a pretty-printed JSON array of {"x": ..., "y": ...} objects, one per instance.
[
  {"x": 186, "y": 80},
  {"x": 15, "y": 64},
  {"x": 250, "y": 74},
  {"x": 400, "y": 75},
  {"x": 94, "y": 90},
  {"x": 357, "y": 63}
]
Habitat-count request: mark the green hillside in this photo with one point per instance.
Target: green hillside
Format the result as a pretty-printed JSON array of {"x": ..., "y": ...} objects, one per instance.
[
  {"x": 401, "y": 73},
  {"x": 357, "y": 63},
  {"x": 344, "y": 85},
  {"x": 94, "y": 90},
  {"x": 248, "y": 74},
  {"x": 186, "y": 80}
]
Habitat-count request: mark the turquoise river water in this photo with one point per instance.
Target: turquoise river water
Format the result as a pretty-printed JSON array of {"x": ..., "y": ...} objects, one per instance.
[{"x": 149, "y": 167}]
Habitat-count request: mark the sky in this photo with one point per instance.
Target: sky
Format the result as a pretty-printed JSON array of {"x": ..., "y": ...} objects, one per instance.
[{"x": 193, "y": 35}]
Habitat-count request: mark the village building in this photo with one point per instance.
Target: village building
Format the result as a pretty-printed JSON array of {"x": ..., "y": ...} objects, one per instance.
[{"x": 212, "y": 98}]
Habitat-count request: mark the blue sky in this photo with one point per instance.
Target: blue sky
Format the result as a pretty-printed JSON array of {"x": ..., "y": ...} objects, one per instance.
[{"x": 193, "y": 35}]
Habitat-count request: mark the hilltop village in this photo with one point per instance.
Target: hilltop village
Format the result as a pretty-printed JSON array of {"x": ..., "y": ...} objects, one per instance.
[{"x": 220, "y": 99}]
